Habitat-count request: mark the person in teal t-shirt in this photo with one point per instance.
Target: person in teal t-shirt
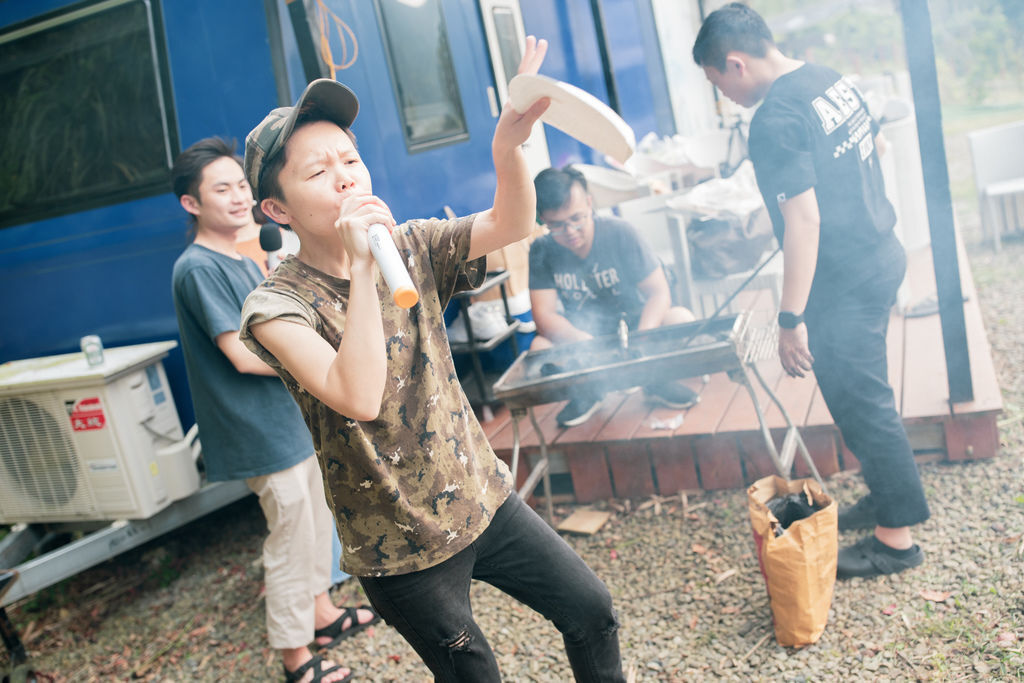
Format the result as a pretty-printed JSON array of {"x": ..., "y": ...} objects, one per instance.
[{"x": 249, "y": 426}]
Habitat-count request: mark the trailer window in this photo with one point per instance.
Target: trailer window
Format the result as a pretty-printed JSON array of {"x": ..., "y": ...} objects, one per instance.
[
  {"x": 422, "y": 73},
  {"x": 508, "y": 40},
  {"x": 87, "y": 116}
]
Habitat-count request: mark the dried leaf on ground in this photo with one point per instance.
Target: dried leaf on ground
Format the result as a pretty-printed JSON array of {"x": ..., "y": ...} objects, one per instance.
[
  {"x": 725, "y": 575},
  {"x": 1006, "y": 639},
  {"x": 935, "y": 595}
]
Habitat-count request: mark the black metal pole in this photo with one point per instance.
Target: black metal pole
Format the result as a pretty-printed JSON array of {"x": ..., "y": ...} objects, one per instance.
[
  {"x": 917, "y": 35},
  {"x": 277, "y": 58},
  {"x": 606, "y": 60},
  {"x": 303, "y": 28}
]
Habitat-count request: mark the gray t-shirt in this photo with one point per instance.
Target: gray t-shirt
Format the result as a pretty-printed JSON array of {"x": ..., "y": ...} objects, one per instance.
[
  {"x": 249, "y": 425},
  {"x": 594, "y": 291}
]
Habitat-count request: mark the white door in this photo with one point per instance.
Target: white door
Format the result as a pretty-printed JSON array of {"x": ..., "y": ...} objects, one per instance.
[
  {"x": 693, "y": 103},
  {"x": 506, "y": 39}
]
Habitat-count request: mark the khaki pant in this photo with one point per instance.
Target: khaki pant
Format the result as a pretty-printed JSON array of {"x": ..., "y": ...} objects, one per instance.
[{"x": 297, "y": 551}]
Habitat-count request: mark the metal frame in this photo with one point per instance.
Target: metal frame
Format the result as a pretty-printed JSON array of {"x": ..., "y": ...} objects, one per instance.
[
  {"x": 782, "y": 458},
  {"x": 20, "y": 579},
  {"x": 387, "y": 33},
  {"x": 792, "y": 442},
  {"x": 104, "y": 543},
  {"x": 473, "y": 346},
  {"x": 761, "y": 344},
  {"x": 542, "y": 468},
  {"x": 738, "y": 357},
  {"x": 170, "y": 144}
]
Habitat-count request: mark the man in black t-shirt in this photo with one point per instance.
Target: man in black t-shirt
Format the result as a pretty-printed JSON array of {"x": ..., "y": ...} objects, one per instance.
[
  {"x": 813, "y": 146},
  {"x": 588, "y": 273}
]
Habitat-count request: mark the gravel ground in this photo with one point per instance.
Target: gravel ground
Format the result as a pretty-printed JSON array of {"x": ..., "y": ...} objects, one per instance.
[
  {"x": 685, "y": 581},
  {"x": 692, "y": 603}
]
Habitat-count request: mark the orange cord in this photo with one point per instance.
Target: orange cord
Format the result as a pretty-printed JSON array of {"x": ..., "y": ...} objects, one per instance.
[{"x": 345, "y": 34}]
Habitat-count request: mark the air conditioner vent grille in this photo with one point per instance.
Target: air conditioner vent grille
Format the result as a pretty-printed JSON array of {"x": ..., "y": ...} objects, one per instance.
[
  {"x": 81, "y": 443},
  {"x": 37, "y": 456}
]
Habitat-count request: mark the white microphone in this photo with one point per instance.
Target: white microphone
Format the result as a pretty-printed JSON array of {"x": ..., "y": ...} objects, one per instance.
[{"x": 391, "y": 267}]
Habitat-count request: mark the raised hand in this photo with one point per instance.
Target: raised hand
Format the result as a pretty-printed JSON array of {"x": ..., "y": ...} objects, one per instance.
[
  {"x": 513, "y": 127},
  {"x": 533, "y": 55}
]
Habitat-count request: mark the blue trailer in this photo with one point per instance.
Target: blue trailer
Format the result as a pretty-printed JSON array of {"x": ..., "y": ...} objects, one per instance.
[{"x": 99, "y": 96}]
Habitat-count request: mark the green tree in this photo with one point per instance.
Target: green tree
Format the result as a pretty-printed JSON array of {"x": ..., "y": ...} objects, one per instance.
[{"x": 979, "y": 46}]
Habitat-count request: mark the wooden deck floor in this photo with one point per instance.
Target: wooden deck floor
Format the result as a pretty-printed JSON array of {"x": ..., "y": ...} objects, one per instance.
[{"x": 622, "y": 451}]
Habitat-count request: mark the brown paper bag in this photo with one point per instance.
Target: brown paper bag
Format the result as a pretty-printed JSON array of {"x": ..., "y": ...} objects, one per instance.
[{"x": 799, "y": 567}]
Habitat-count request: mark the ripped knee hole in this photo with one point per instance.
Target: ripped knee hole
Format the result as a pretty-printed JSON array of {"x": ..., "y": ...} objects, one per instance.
[{"x": 460, "y": 642}]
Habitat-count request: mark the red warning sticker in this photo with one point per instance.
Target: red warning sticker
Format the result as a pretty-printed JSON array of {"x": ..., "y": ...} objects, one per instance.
[{"x": 87, "y": 414}]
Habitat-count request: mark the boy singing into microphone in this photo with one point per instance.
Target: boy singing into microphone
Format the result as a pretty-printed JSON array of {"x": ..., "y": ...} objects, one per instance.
[{"x": 422, "y": 503}]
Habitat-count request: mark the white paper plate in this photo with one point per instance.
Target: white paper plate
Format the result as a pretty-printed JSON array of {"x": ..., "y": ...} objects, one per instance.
[{"x": 576, "y": 113}]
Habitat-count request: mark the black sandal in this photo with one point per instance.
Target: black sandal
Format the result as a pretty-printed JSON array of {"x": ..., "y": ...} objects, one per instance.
[
  {"x": 336, "y": 633},
  {"x": 316, "y": 662}
]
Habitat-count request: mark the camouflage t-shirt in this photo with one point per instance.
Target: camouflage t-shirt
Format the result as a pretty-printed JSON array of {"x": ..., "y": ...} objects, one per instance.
[{"x": 420, "y": 483}]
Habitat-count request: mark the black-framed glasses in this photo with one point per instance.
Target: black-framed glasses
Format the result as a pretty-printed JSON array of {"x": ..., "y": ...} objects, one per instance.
[{"x": 575, "y": 221}]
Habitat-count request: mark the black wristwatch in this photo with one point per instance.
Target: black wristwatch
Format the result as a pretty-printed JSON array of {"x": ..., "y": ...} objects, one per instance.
[{"x": 789, "y": 321}]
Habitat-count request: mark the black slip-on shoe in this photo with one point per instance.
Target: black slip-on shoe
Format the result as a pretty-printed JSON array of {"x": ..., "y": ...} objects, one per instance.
[
  {"x": 672, "y": 394},
  {"x": 577, "y": 411},
  {"x": 870, "y": 557},
  {"x": 859, "y": 516},
  {"x": 548, "y": 369}
]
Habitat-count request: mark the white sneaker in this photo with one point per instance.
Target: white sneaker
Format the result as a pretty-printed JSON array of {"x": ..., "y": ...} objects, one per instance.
[{"x": 487, "y": 321}]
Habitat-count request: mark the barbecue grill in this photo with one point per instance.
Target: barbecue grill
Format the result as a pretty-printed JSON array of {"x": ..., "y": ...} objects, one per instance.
[{"x": 731, "y": 344}]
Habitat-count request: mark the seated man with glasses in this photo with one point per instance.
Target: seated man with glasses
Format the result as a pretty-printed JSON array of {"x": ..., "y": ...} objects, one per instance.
[{"x": 588, "y": 273}]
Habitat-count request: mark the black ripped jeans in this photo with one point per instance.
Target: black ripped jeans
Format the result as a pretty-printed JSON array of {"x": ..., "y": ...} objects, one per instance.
[{"x": 522, "y": 556}]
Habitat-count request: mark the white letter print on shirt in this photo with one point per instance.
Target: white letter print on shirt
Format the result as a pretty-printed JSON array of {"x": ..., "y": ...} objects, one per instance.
[{"x": 837, "y": 106}]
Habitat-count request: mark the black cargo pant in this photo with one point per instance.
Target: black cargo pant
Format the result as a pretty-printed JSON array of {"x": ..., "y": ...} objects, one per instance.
[{"x": 846, "y": 334}]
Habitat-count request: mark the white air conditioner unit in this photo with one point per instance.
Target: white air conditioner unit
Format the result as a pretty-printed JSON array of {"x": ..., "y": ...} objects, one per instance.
[{"x": 80, "y": 442}]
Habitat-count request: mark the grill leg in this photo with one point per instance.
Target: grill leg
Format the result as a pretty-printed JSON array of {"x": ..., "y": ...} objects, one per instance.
[
  {"x": 793, "y": 441},
  {"x": 516, "y": 416},
  {"x": 782, "y": 467},
  {"x": 543, "y": 467},
  {"x": 540, "y": 469}
]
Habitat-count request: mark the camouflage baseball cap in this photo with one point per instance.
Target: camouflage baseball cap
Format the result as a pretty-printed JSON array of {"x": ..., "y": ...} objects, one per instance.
[{"x": 329, "y": 97}]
